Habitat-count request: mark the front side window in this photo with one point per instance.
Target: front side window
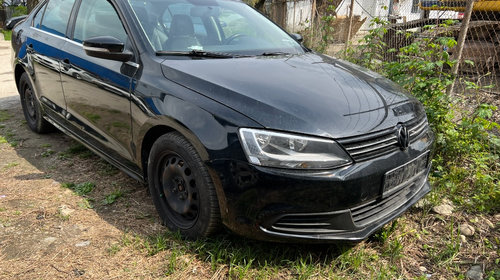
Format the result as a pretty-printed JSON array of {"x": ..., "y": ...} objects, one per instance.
[
  {"x": 56, "y": 16},
  {"x": 38, "y": 18},
  {"x": 98, "y": 18},
  {"x": 212, "y": 26}
]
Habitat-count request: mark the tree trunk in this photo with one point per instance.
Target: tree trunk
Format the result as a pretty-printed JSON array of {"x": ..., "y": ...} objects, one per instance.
[
  {"x": 31, "y": 5},
  {"x": 260, "y": 5}
]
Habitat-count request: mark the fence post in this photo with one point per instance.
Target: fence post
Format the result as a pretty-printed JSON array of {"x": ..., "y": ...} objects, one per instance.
[
  {"x": 349, "y": 29},
  {"x": 464, "y": 28},
  {"x": 313, "y": 14}
]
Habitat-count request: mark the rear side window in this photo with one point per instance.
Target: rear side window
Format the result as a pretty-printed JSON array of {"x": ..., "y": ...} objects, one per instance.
[
  {"x": 38, "y": 18},
  {"x": 56, "y": 16},
  {"x": 98, "y": 18}
]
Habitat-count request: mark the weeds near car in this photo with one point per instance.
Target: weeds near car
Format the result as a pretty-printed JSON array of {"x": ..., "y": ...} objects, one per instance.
[
  {"x": 47, "y": 153},
  {"x": 106, "y": 169},
  {"x": 10, "y": 165},
  {"x": 9, "y": 137},
  {"x": 86, "y": 203},
  {"x": 76, "y": 150},
  {"x": 112, "y": 197},
  {"x": 79, "y": 189},
  {"x": 7, "y": 35},
  {"x": 4, "y": 116}
]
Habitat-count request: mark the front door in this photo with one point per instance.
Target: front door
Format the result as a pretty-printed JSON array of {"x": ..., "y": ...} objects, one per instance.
[{"x": 97, "y": 90}]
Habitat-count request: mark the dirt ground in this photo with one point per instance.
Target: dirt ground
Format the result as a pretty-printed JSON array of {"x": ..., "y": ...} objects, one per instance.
[{"x": 50, "y": 232}]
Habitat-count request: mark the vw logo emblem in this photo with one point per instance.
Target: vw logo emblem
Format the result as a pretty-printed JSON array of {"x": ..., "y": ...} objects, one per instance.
[{"x": 403, "y": 136}]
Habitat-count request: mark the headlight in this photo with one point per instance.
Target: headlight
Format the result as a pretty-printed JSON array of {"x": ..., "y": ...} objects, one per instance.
[{"x": 274, "y": 149}]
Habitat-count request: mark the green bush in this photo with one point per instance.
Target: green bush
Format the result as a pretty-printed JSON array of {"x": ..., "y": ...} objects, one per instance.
[
  {"x": 19, "y": 11},
  {"x": 466, "y": 162},
  {"x": 7, "y": 35}
]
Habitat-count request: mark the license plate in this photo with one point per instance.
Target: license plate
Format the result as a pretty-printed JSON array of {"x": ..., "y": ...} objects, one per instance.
[{"x": 396, "y": 178}]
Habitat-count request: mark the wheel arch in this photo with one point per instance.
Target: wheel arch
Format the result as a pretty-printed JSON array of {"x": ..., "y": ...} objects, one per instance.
[
  {"x": 18, "y": 72},
  {"x": 155, "y": 132}
]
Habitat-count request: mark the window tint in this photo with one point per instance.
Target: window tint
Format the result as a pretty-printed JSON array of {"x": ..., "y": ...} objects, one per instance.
[
  {"x": 38, "y": 18},
  {"x": 98, "y": 18},
  {"x": 55, "y": 19}
]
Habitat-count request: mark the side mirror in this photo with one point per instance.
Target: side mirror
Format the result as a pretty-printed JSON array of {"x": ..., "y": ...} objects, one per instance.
[
  {"x": 106, "y": 47},
  {"x": 297, "y": 37}
]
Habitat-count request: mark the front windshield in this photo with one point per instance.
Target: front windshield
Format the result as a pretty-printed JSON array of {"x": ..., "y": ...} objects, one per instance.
[{"x": 221, "y": 26}]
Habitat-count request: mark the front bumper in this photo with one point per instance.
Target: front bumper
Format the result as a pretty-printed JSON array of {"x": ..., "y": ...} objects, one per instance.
[
  {"x": 345, "y": 204},
  {"x": 341, "y": 222}
]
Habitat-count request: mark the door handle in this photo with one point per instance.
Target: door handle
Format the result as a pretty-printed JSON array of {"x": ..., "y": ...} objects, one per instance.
[{"x": 66, "y": 64}]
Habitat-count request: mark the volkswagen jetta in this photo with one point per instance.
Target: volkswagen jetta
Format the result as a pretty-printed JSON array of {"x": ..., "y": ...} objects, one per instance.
[{"x": 228, "y": 118}]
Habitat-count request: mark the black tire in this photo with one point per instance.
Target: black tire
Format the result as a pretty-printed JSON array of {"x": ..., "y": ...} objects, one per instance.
[
  {"x": 181, "y": 187},
  {"x": 31, "y": 107}
]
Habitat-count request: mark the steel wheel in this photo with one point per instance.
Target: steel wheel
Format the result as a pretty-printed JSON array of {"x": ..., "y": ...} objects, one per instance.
[
  {"x": 29, "y": 99},
  {"x": 31, "y": 107},
  {"x": 181, "y": 187},
  {"x": 179, "y": 190}
]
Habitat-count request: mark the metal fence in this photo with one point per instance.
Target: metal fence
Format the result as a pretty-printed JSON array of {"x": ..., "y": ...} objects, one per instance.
[{"x": 350, "y": 20}]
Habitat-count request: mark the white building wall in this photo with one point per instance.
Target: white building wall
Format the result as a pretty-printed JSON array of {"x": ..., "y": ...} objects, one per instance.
[
  {"x": 379, "y": 8},
  {"x": 298, "y": 15},
  {"x": 299, "y": 12}
]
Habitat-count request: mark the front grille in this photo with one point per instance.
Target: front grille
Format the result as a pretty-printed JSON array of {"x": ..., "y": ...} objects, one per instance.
[
  {"x": 380, "y": 143},
  {"x": 377, "y": 209}
]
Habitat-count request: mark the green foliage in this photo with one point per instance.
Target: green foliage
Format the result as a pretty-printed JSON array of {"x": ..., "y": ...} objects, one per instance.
[
  {"x": 466, "y": 161},
  {"x": 320, "y": 39},
  {"x": 370, "y": 53},
  {"x": 19, "y": 11},
  {"x": 79, "y": 189},
  {"x": 7, "y": 136},
  {"x": 326, "y": 27},
  {"x": 85, "y": 204},
  {"x": 4, "y": 116},
  {"x": 112, "y": 197},
  {"x": 7, "y": 35},
  {"x": 10, "y": 165},
  {"x": 47, "y": 153},
  {"x": 76, "y": 149}
]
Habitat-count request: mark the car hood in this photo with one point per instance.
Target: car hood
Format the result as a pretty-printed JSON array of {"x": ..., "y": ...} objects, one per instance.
[{"x": 309, "y": 93}]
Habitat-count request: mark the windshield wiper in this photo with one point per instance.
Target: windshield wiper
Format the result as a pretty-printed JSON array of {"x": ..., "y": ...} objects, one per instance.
[
  {"x": 274, "y": 53},
  {"x": 197, "y": 53}
]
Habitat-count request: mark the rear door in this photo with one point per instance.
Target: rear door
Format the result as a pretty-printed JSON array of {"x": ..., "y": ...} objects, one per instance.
[
  {"x": 97, "y": 90},
  {"x": 48, "y": 36}
]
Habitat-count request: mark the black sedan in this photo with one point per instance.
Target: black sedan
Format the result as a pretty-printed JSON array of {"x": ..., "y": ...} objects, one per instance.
[{"x": 227, "y": 118}]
